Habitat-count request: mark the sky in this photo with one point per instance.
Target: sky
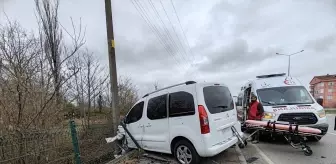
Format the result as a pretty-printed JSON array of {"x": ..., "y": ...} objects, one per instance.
[{"x": 229, "y": 41}]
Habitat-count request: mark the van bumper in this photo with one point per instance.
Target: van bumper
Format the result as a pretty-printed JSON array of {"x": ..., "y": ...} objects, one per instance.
[{"x": 220, "y": 147}]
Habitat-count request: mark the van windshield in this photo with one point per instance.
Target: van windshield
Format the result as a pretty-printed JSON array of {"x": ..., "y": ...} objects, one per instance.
[
  {"x": 218, "y": 99},
  {"x": 290, "y": 95}
]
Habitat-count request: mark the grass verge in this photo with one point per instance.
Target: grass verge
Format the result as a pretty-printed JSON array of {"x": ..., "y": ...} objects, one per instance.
[{"x": 330, "y": 111}]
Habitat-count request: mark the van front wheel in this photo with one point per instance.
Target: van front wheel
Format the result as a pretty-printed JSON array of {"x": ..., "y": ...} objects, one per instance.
[{"x": 185, "y": 153}]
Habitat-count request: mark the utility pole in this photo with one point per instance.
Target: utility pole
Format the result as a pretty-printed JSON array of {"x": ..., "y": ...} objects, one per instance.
[
  {"x": 112, "y": 66},
  {"x": 289, "y": 59}
]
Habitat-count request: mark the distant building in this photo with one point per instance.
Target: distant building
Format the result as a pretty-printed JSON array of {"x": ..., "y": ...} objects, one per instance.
[{"x": 324, "y": 87}]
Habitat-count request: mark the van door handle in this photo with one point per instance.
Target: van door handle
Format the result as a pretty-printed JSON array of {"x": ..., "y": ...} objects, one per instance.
[
  {"x": 140, "y": 126},
  {"x": 149, "y": 125}
]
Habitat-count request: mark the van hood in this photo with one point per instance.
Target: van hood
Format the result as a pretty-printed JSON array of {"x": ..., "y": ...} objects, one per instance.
[{"x": 299, "y": 108}]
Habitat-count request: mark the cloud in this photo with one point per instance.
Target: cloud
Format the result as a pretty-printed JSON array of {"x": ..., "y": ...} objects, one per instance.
[
  {"x": 322, "y": 44},
  {"x": 236, "y": 55},
  {"x": 231, "y": 41}
]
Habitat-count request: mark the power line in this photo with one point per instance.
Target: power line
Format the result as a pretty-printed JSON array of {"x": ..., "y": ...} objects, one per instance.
[
  {"x": 155, "y": 31},
  {"x": 166, "y": 29},
  {"x": 191, "y": 63},
  {"x": 163, "y": 37},
  {"x": 185, "y": 37},
  {"x": 171, "y": 25},
  {"x": 159, "y": 33}
]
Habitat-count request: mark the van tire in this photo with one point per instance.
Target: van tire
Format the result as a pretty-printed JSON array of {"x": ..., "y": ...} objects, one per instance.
[{"x": 187, "y": 146}]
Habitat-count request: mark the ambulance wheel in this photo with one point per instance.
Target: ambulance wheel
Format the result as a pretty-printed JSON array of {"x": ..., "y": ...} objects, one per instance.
[{"x": 308, "y": 151}]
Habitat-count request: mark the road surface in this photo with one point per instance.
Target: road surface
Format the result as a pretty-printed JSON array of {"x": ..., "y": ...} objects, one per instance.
[{"x": 324, "y": 151}]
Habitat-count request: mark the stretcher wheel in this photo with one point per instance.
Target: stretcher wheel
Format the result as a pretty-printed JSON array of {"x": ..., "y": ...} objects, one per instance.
[
  {"x": 243, "y": 129},
  {"x": 241, "y": 145},
  {"x": 308, "y": 151}
]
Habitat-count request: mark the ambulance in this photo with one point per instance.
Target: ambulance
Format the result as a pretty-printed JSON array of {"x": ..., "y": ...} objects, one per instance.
[{"x": 285, "y": 100}]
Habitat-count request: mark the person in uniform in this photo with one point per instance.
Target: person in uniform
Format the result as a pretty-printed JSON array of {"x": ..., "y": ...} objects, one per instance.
[{"x": 256, "y": 112}]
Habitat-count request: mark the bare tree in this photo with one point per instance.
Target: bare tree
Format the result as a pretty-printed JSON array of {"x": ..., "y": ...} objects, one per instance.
[
  {"x": 156, "y": 84},
  {"x": 19, "y": 70},
  {"x": 19, "y": 67},
  {"x": 128, "y": 94},
  {"x": 52, "y": 39},
  {"x": 89, "y": 82},
  {"x": 92, "y": 80},
  {"x": 100, "y": 103},
  {"x": 55, "y": 53}
]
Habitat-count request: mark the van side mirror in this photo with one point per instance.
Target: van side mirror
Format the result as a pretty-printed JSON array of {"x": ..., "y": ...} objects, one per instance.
[
  {"x": 319, "y": 101},
  {"x": 124, "y": 120}
]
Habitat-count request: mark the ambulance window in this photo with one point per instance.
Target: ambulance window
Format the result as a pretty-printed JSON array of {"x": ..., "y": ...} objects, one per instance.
[
  {"x": 284, "y": 96},
  {"x": 240, "y": 100},
  {"x": 304, "y": 96},
  {"x": 302, "y": 93}
]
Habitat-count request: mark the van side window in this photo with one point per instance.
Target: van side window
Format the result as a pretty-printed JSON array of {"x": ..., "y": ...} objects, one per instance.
[
  {"x": 157, "y": 108},
  {"x": 218, "y": 99},
  {"x": 136, "y": 113},
  {"x": 181, "y": 104}
]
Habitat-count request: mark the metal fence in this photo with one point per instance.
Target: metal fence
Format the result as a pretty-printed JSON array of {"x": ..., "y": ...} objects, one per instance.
[
  {"x": 92, "y": 145},
  {"x": 72, "y": 144},
  {"x": 36, "y": 146}
]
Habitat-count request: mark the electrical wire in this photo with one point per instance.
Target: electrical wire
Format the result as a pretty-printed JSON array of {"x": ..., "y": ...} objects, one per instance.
[
  {"x": 185, "y": 37},
  {"x": 172, "y": 27},
  {"x": 186, "y": 58},
  {"x": 155, "y": 31},
  {"x": 165, "y": 37},
  {"x": 167, "y": 33},
  {"x": 164, "y": 25}
]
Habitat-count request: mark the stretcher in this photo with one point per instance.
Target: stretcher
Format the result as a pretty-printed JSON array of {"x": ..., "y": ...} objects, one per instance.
[{"x": 295, "y": 135}]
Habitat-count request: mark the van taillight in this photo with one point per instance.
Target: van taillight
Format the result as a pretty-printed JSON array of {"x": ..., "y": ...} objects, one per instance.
[{"x": 204, "y": 121}]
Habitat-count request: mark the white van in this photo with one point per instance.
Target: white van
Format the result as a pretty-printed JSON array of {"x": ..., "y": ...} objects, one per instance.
[
  {"x": 190, "y": 120},
  {"x": 284, "y": 99}
]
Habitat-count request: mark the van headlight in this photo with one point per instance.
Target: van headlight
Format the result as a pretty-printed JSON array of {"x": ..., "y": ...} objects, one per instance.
[
  {"x": 321, "y": 113},
  {"x": 268, "y": 115}
]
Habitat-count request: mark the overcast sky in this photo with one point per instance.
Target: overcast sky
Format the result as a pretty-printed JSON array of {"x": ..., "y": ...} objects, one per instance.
[{"x": 223, "y": 41}]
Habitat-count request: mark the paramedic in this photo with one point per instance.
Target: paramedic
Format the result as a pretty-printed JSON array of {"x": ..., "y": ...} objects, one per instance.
[{"x": 256, "y": 112}]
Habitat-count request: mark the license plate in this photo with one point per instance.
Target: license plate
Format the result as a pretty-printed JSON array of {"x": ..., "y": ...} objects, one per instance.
[{"x": 227, "y": 132}]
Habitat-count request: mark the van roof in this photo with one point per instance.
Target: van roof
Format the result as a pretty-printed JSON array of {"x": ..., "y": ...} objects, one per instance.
[
  {"x": 184, "y": 84},
  {"x": 199, "y": 84},
  {"x": 273, "y": 80}
]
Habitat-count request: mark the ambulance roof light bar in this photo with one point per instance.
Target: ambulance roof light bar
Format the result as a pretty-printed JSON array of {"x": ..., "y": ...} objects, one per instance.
[{"x": 271, "y": 75}]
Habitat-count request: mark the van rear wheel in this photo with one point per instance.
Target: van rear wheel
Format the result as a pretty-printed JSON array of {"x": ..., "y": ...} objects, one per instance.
[{"x": 185, "y": 153}]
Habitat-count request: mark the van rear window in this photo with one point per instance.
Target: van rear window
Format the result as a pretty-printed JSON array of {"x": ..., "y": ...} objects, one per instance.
[{"x": 218, "y": 99}]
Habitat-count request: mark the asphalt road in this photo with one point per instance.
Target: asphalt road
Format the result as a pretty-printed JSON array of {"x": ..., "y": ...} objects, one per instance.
[{"x": 324, "y": 151}]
